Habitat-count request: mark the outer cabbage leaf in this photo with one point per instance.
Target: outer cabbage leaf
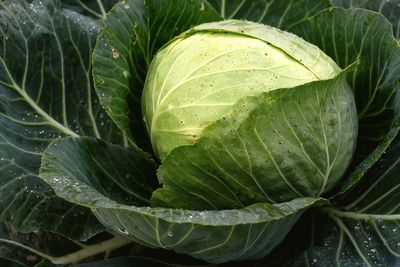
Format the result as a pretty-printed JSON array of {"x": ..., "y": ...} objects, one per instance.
[
  {"x": 389, "y": 8},
  {"x": 363, "y": 229},
  {"x": 79, "y": 171},
  {"x": 45, "y": 93},
  {"x": 95, "y": 8},
  {"x": 133, "y": 32},
  {"x": 126, "y": 176},
  {"x": 365, "y": 36},
  {"x": 280, "y": 14},
  {"x": 283, "y": 14},
  {"x": 280, "y": 145},
  {"x": 150, "y": 258},
  {"x": 48, "y": 243}
]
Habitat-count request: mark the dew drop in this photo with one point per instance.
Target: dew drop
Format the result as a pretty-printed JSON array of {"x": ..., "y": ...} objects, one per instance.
[{"x": 170, "y": 234}]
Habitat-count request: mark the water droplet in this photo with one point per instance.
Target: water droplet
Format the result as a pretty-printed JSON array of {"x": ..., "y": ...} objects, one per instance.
[{"x": 170, "y": 234}]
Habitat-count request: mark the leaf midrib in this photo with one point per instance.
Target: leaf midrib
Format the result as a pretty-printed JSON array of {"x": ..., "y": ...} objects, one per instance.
[
  {"x": 34, "y": 105},
  {"x": 361, "y": 216}
]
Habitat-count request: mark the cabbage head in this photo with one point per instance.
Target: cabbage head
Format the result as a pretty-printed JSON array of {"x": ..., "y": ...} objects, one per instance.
[{"x": 197, "y": 78}]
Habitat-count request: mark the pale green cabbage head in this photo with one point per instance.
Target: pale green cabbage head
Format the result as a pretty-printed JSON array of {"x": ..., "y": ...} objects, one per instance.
[{"x": 197, "y": 77}]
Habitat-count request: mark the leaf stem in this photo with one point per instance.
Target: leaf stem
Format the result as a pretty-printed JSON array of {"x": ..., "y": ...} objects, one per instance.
[
  {"x": 46, "y": 116},
  {"x": 77, "y": 256},
  {"x": 360, "y": 216},
  {"x": 222, "y": 11},
  {"x": 100, "y": 16},
  {"x": 35, "y": 106},
  {"x": 103, "y": 11},
  {"x": 37, "y": 252},
  {"x": 91, "y": 250}
]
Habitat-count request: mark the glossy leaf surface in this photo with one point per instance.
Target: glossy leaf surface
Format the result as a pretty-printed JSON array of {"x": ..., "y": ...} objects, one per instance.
[{"x": 78, "y": 172}]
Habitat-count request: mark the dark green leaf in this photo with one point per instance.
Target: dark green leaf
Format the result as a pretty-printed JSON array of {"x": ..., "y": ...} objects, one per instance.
[
  {"x": 364, "y": 36},
  {"x": 44, "y": 263},
  {"x": 128, "y": 262},
  {"x": 280, "y": 145},
  {"x": 389, "y": 8},
  {"x": 213, "y": 236},
  {"x": 94, "y": 8},
  {"x": 364, "y": 228},
  {"x": 153, "y": 259},
  {"x": 357, "y": 174},
  {"x": 7, "y": 263},
  {"x": 134, "y": 31},
  {"x": 12, "y": 242},
  {"x": 280, "y": 14},
  {"x": 397, "y": 106},
  {"x": 126, "y": 176},
  {"x": 45, "y": 93},
  {"x": 69, "y": 166}
]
